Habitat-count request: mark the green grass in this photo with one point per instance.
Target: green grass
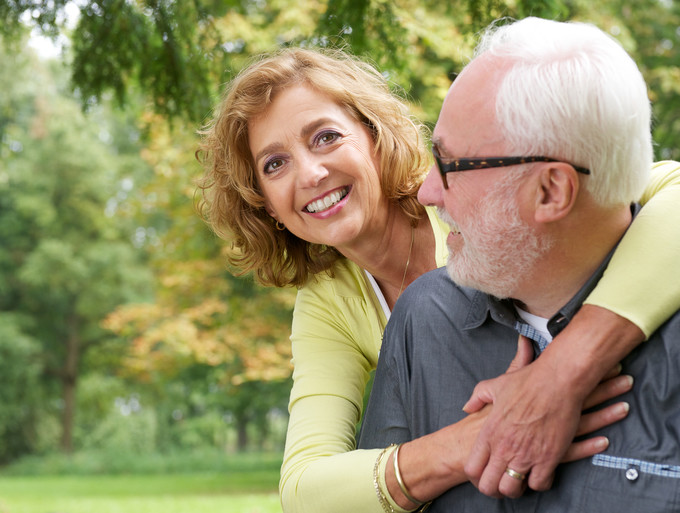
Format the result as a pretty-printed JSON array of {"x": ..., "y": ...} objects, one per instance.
[
  {"x": 175, "y": 493},
  {"x": 243, "y": 484}
]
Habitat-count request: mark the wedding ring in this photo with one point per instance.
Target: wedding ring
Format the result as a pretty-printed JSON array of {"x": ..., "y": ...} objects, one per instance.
[{"x": 514, "y": 474}]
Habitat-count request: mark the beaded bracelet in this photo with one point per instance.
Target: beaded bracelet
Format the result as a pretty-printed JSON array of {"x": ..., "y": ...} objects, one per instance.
[{"x": 386, "y": 506}]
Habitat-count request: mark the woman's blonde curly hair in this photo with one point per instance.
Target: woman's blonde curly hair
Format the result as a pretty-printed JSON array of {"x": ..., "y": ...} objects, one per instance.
[{"x": 232, "y": 203}]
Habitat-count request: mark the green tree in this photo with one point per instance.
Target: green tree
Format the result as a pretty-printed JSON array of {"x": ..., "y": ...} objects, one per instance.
[
  {"x": 65, "y": 261},
  {"x": 206, "y": 329},
  {"x": 19, "y": 389},
  {"x": 178, "y": 53}
]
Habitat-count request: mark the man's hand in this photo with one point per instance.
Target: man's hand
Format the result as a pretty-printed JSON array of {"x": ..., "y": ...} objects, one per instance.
[{"x": 532, "y": 425}]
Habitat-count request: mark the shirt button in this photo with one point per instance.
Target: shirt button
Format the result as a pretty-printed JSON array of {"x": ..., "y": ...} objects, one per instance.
[{"x": 632, "y": 474}]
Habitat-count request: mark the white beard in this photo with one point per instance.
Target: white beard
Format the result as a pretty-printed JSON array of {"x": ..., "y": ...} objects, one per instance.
[{"x": 498, "y": 247}]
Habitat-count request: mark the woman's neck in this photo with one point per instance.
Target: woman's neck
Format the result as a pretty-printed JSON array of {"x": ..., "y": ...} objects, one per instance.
[{"x": 398, "y": 256}]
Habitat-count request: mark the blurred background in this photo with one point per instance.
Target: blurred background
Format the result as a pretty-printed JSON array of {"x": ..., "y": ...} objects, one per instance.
[{"x": 127, "y": 348}]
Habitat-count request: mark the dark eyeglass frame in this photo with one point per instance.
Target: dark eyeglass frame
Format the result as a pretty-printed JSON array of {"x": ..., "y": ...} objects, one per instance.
[{"x": 469, "y": 164}]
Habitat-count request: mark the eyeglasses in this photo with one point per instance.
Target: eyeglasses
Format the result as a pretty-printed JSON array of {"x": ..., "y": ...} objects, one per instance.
[{"x": 469, "y": 164}]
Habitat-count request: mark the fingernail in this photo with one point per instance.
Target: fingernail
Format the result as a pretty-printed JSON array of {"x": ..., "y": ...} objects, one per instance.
[
  {"x": 602, "y": 443},
  {"x": 626, "y": 380},
  {"x": 623, "y": 408}
]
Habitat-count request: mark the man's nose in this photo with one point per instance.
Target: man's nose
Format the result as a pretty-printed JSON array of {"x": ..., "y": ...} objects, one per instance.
[{"x": 430, "y": 192}]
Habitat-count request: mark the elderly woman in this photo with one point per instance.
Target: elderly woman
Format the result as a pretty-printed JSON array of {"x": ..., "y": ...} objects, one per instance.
[{"x": 312, "y": 167}]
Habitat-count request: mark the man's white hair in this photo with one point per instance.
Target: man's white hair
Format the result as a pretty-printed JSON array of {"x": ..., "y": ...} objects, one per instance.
[{"x": 573, "y": 93}]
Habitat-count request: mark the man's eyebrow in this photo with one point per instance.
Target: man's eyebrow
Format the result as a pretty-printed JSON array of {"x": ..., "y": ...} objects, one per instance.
[{"x": 436, "y": 142}]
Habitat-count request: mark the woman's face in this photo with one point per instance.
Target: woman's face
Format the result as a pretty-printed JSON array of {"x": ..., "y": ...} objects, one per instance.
[{"x": 316, "y": 167}]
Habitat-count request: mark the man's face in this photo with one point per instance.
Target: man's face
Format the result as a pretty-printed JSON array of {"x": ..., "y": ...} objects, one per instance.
[{"x": 491, "y": 246}]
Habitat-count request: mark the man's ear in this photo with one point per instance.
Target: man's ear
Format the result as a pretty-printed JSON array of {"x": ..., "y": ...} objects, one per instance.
[{"x": 557, "y": 187}]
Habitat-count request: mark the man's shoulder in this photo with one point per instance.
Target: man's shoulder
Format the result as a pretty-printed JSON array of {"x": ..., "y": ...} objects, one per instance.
[
  {"x": 436, "y": 286},
  {"x": 436, "y": 295}
]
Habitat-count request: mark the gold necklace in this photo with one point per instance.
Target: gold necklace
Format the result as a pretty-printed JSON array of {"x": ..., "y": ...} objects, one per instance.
[{"x": 408, "y": 261}]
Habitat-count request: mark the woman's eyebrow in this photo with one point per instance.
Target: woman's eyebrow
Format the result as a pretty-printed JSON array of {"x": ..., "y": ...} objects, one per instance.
[{"x": 305, "y": 132}]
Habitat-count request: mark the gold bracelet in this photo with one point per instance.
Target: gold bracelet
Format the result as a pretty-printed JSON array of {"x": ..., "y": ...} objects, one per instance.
[
  {"x": 402, "y": 485},
  {"x": 386, "y": 506}
]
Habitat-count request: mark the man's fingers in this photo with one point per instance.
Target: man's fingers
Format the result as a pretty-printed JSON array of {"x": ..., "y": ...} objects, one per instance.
[
  {"x": 484, "y": 391},
  {"x": 491, "y": 478},
  {"x": 479, "y": 398},
  {"x": 523, "y": 356},
  {"x": 539, "y": 479},
  {"x": 477, "y": 461},
  {"x": 511, "y": 485}
]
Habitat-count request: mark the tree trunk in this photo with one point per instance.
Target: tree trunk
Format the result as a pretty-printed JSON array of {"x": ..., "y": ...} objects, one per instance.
[
  {"x": 242, "y": 434},
  {"x": 69, "y": 379}
]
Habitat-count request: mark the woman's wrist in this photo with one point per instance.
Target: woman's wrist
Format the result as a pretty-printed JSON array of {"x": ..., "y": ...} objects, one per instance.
[
  {"x": 593, "y": 343},
  {"x": 432, "y": 464}
]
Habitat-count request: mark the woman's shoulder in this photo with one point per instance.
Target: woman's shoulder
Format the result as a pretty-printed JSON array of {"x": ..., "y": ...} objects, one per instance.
[{"x": 343, "y": 279}]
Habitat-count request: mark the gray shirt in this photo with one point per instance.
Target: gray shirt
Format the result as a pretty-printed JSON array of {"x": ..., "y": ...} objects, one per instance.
[{"x": 442, "y": 339}]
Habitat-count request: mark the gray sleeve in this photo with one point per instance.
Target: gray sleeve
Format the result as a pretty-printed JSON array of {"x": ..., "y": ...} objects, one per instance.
[{"x": 385, "y": 420}]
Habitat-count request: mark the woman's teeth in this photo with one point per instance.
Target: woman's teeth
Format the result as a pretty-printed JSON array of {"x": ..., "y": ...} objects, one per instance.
[{"x": 326, "y": 202}]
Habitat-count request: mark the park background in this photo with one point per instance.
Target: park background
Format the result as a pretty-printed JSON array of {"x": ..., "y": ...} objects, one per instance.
[{"x": 137, "y": 374}]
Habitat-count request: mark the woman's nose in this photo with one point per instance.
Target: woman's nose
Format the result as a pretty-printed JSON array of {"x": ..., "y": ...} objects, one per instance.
[{"x": 311, "y": 172}]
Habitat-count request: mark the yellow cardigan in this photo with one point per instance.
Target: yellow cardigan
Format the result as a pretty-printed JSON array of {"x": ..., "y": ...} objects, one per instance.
[{"x": 337, "y": 331}]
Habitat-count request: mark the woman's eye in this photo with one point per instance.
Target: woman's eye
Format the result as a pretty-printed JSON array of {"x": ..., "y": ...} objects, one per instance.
[
  {"x": 272, "y": 165},
  {"x": 327, "y": 137}
]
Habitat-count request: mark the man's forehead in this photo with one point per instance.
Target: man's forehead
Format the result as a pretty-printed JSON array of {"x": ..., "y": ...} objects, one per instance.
[{"x": 467, "y": 119}]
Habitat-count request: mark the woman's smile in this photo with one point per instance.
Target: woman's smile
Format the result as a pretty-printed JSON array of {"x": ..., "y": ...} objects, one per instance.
[{"x": 323, "y": 204}]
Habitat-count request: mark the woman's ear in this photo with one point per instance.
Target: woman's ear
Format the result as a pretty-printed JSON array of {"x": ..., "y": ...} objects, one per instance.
[
  {"x": 268, "y": 208},
  {"x": 556, "y": 190}
]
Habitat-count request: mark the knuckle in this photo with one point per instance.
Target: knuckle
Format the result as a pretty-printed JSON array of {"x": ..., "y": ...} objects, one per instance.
[
  {"x": 488, "y": 490},
  {"x": 540, "y": 483},
  {"x": 472, "y": 472}
]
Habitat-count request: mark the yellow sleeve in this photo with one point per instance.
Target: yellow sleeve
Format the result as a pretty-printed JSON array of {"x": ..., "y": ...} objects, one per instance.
[
  {"x": 642, "y": 281},
  {"x": 336, "y": 335}
]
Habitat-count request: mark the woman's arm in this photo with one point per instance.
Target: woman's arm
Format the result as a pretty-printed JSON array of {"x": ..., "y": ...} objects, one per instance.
[
  {"x": 434, "y": 463},
  {"x": 333, "y": 354},
  {"x": 639, "y": 291},
  {"x": 642, "y": 281}
]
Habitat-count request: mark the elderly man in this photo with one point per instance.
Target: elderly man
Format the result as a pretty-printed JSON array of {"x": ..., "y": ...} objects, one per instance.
[{"x": 542, "y": 146}]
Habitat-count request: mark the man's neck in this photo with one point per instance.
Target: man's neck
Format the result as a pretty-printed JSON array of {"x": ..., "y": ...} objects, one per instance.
[{"x": 576, "y": 255}]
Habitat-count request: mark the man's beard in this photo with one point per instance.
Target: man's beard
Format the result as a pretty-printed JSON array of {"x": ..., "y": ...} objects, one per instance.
[{"x": 498, "y": 247}]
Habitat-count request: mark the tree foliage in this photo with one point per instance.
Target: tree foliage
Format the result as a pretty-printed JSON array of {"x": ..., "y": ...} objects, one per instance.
[
  {"x": 205, "y": 325},
  {"x": 94, "y": 208},
  {"x": 64, "y": 263},
  {"x": 177, "y": 54}
]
